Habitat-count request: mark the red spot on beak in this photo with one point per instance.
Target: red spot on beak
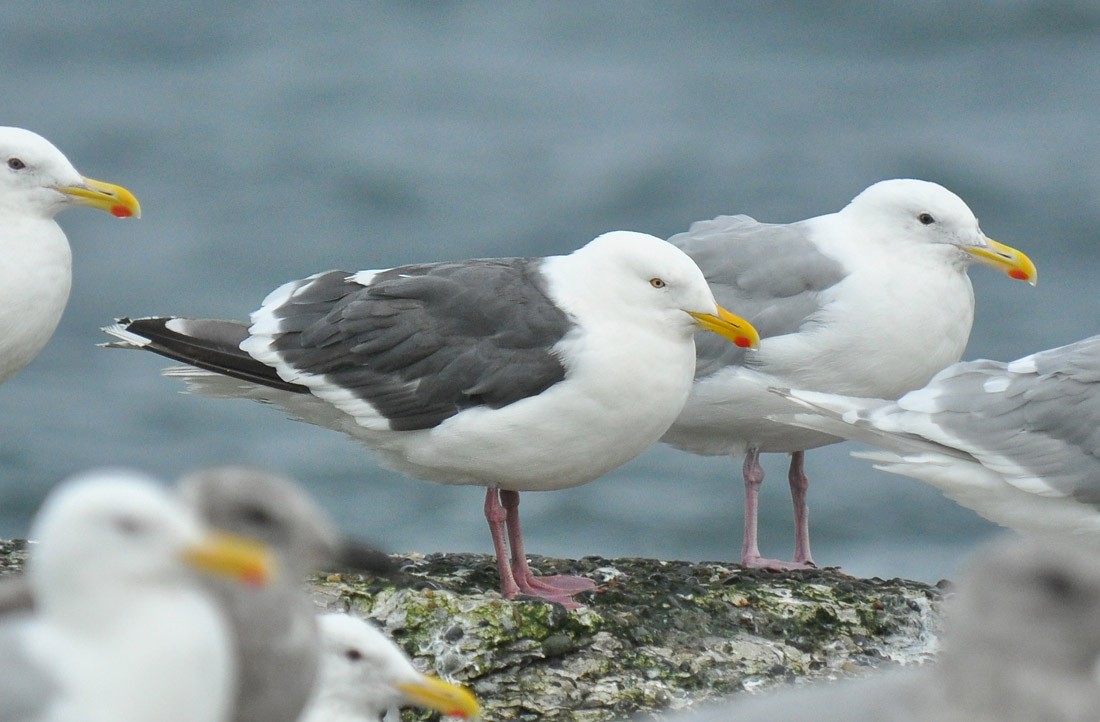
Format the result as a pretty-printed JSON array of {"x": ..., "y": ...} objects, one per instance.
[
  {"x": 1018, "y": 274},
  {"x": 743, "y": 342},
  {"x": 121, "y": 212},
  {"x": 254, "y": 579}
]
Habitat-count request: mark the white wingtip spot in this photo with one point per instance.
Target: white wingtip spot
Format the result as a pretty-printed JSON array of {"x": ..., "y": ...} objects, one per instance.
[
  {"x": 995, "y": 385},
  {"x": 363, "y": 278},
  {"x": 126, "y": 339},
  {"x": 256, "y": 346},
  {"x": 177, "y": 325},
  {"x": 925, "y": 400},
  {"x": 1025, "y": 365},
  {"x": 281, "y": 294}
]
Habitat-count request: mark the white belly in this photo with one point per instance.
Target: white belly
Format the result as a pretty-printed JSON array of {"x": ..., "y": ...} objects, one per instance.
[{"x": 35, "y": 276}]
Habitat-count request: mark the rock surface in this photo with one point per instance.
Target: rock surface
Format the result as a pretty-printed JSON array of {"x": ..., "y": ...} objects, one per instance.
[{"x": 656, "y": 636}]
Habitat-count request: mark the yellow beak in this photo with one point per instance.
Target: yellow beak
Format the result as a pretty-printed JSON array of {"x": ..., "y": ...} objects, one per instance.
[
  {"x": 443, "y": 697},
  {"x": 1015, "y": 263},
  {"x": 116, "y": 200},
  {"x": 729, "y": 326},
  {"x": 235, "y": 557}
]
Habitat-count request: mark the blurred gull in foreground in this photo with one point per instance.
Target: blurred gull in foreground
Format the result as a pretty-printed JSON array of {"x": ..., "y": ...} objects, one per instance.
[
  {"x": 278, "y": 642},
  {"x": 363, "y": 674},
  {"x": 517, "y": 374},
  {"x": 1021, "y": 644},
  {"x": 121, "y": 629},
  {"x": 872, "y": 301}
]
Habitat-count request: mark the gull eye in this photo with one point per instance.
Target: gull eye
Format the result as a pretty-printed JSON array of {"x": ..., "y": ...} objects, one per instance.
[
  {"x": 256, "y": 515},
  {"x": 129, "y": 526},
  {"x": 1057, "y": 584},
  {"x": 926, "y": 219},
  {"x": 16, "y": 164},
  {"x": 353, "y": 654},
  {"x": 657, "y": 283}
]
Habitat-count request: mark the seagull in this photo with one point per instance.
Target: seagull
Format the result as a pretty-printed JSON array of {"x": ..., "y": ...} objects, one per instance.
[
  {"x": 274, "y": 626},
  {"x": 277, "y": 639},
  {"x": 37, "y": 182},
  {"x": 121, "y": 629},
  {"x": 363, "y": 674},
  {"x": 870, "y": 301},
  {"x": 517, "y": 374},
  {"x": 1021, "y": 643},
  {"x": 1016, "y": 442}
]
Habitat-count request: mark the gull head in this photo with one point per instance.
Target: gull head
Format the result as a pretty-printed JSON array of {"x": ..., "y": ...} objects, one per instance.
[
  {"x": 363, "y": 673},
  {"x": 1031, "y": 606},
  {"x": 268, "y": 508},
  {"x": 635, "y": 275},
  {"x": 274, "y": 510},
  {"x": 908, "y": 211},
  {"x": 37, "y": 179}
]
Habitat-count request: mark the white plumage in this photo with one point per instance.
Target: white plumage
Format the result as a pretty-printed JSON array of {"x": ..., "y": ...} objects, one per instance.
[
  {"x": 870, "y": 301},
  {"x": 37, "y": 182}
]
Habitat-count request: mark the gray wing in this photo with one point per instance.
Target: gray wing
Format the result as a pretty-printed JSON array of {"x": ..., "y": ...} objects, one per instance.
[
  {"x": 1041, "y": 414},
  {"x": 775, "y": 281},
  {"x": 26, "y": 690},
  {"x": 422, "y": 342}
]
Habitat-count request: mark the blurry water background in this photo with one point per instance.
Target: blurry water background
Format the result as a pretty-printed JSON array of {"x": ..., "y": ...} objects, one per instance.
[{"x": 268, "y": 141}]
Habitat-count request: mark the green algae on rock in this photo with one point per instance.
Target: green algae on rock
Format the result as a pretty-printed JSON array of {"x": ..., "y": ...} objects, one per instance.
[
  {"x": 656, "y": 636},
  {"x": 13, "y": 555}
]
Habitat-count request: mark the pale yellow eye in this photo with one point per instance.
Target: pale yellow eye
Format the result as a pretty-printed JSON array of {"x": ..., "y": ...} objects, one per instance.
[{"x": 657, "y": 283}]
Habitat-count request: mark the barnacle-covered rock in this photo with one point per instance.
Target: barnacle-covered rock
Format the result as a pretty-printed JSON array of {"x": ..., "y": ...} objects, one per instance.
[{"x": 655, "y": 636}]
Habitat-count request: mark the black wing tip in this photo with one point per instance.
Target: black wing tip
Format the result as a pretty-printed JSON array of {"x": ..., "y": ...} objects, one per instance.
[{"x": 216, "y": 348}]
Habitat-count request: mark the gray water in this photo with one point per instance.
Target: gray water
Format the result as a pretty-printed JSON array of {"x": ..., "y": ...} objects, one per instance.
[{"x": 269, "y": 142}]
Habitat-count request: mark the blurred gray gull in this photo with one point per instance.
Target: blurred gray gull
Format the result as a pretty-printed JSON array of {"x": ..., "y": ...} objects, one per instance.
[
  {"x": 37, "y": 182},
  {"x": 363, "y": 674},
  {"x": 1021, "y": 644},
  {"x": 121, "y": 630},
  {"x": 517, "y": 374},
  {"x": 278, "y": 643},
  {"x": 871, "y": 301},
  {"x": 1017, "y": 442}
]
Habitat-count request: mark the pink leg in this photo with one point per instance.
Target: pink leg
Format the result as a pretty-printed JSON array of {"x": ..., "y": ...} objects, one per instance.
[
  {"x": 754, "y": 477},
  {"x": 495, "y": 515},
  {"x": 750, "y": 549},
  {"x": 555, "y": 588},
  {"x": 796, "y": 476}
]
